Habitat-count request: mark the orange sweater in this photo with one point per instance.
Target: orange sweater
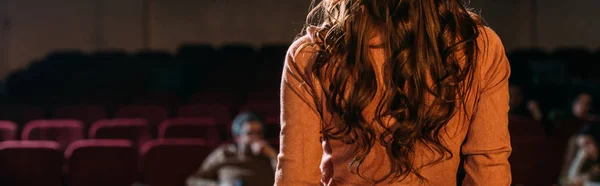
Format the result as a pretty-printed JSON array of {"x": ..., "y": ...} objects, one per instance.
[{"x": 485, "y": 141}]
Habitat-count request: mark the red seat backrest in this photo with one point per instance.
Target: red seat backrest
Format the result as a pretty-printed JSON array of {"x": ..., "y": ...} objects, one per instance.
[
  {"x": 168, "y": 162},
  {"x": 8, "y": 131},
  {"x": 102, "y": 162},
  {"x": 62, "y": 131},
  {"x": 219, "y": 112},
  {"x": 31, "y": 163},
  {"x": 202, "y": 128},
  {"x": 135, "y": 130}
]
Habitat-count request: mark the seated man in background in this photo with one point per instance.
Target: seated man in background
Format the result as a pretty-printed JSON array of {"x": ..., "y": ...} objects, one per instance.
[{"x": 249, "y": 161}]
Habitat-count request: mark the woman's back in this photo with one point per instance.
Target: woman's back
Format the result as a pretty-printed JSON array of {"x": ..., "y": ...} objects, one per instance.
[
  {"x": 395, "y": 109},
  {"x": 487, "y": 146}
]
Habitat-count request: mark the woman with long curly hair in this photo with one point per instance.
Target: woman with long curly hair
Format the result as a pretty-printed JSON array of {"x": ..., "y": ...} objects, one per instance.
[{"x": 394, "y": 92}]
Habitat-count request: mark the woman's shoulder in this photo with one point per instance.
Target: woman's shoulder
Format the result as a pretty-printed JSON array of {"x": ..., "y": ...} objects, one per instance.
[
  {"x": 304, "y": 48},
  {"x": 492, "y": 60},
  {"x": 489, "y": 43},
  {"x": 489, "y": 36}
]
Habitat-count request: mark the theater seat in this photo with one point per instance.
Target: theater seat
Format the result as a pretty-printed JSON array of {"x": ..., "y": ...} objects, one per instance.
[
  {"x": 219, "y": 112},
  {"x": 154, "y": 114},
  {"x": 135, "y": 130},
  {"x": 168, "y": 162},
  {"x": 101, "y": 163},
  {"x": 200, "y": 128},
  {"x": 8, "y": 131},
  {"x": 30, "y": 163},
  {"x": 62, "y": 131}
]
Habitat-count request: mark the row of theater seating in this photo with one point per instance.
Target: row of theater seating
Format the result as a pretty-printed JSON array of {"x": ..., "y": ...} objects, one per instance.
[
  {"x": 183, "y": 141},
  {"x": 527, "y": 147},
  {"x": 116, "y": 151},
  {"x": 138, "y": 131},
  {"x": 100, "y": 162},
  {"x": 155, "y": 114}
]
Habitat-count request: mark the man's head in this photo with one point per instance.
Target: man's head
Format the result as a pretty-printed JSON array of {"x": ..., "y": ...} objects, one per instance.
[
  {"x": 247, "y": 127},
  {"x": 582, "y": 105}
]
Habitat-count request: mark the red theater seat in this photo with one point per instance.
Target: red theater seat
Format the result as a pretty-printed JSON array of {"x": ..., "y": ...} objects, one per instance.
[
  {"x": 62, "y": 131},
  {"x": 201, "y": 128},
  {"x": 101, "y": 163},
  {"x": 8, "y": 131},
  {"x": 135, "y": 130},
  {"x": 30, "y": 163},
  {"x": 169, "y": 162},
  {"x": 219, "y": 112}
]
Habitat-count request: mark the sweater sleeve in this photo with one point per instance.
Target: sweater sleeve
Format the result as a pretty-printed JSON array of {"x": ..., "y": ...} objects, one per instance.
[
  {"x": 300, "y": 153},
  {"x": 487, "y": 146}
]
